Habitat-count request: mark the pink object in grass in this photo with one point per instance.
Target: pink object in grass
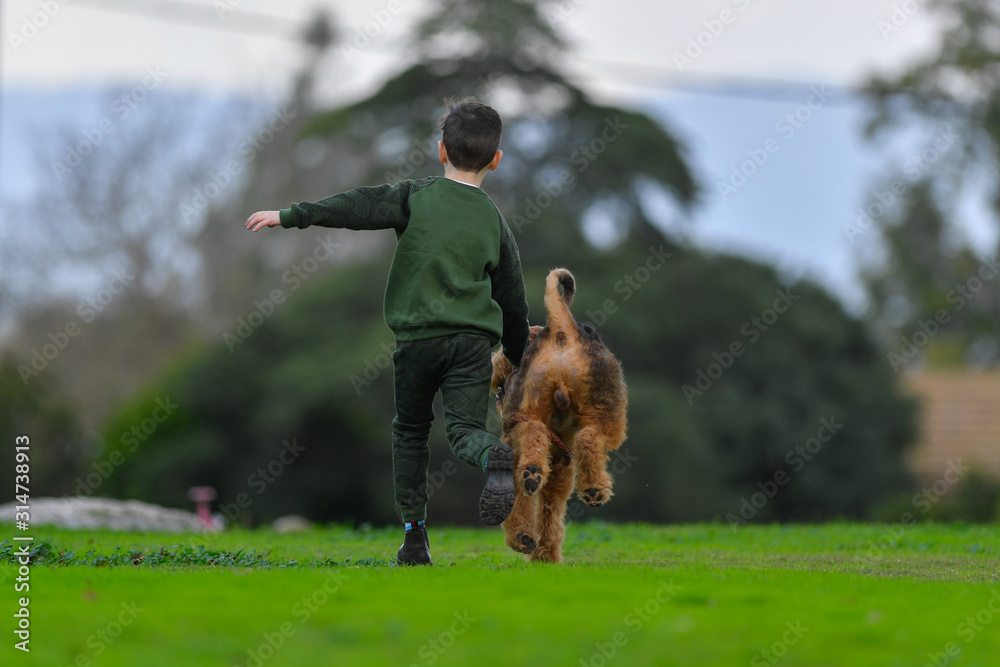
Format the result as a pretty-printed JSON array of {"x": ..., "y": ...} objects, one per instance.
[{"x": 203, "y": 497}]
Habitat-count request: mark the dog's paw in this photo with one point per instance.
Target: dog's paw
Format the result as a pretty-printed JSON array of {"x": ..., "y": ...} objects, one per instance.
[
  {"x": 596, "y": 497},
  {"x": 532, "y": 479},
  {"x": 526, "y": 543}
]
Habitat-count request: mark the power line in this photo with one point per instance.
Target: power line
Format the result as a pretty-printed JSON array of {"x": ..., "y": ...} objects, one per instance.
[
  {"x": 257, "y": 23},
  {"x": 726, "y": 85},
  {"x": 224, "y": 17},
  {"x": 220, "y": 16}
]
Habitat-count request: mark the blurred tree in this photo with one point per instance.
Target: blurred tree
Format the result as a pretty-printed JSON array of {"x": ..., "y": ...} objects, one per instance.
[
  {"x": 57, "y": 452},
  {"x": 109, "y": 256},
  {"x": 289, "y": 381},
  {"x": 317, "y": 372},
  {"x": 586, "y": 186},
  {"x": 728, "y": 393},
  {"x": 927, "y": 278},
  {"x": 132, "y": 238},
  {"x": 580, "y": 166}
]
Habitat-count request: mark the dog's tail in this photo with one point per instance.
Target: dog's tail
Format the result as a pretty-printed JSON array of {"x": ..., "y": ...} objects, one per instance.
[{"x": 560, "y": 287}]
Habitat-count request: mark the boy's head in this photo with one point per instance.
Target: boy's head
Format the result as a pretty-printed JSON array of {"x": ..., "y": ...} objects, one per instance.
[{"x": 471, "y": 134}]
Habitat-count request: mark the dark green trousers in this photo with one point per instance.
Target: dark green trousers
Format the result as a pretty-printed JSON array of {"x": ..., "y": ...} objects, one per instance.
[{"x": 459, "y": 366}]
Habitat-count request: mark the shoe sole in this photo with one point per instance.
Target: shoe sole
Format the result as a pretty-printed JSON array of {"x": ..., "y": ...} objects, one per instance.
[{"x": 497, "y": 499}]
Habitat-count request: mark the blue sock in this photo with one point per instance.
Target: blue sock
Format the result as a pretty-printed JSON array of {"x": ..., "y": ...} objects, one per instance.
[{"x": 409, "y": 525}]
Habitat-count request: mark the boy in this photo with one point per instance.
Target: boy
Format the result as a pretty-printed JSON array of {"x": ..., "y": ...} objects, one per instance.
[{"x": 455, "y": 290}]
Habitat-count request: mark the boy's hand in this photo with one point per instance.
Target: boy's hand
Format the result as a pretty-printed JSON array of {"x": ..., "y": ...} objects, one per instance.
[{"x": 262, "y": 219}]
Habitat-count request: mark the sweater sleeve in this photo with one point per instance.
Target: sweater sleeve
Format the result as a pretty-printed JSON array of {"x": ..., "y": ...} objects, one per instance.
[
  {"x": 372, "y": 207},
  {"x": 508, "y": 291}
]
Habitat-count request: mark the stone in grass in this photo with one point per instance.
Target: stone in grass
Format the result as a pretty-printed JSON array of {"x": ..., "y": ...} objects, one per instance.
[
  {"x": 291, "y": 523},
  {"x": 80, "y": 512}
]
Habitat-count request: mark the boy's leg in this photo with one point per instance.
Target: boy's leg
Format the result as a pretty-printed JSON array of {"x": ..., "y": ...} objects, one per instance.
[
  {"x": 417, "y": 374},
  {"x": 465, "y": 390}
]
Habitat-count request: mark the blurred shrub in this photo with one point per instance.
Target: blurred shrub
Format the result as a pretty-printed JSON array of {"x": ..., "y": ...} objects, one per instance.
[
  {"x": 315, "y": 372},
  {"x": 975, "y": 499},
  {"x": 36, "y": 410}
]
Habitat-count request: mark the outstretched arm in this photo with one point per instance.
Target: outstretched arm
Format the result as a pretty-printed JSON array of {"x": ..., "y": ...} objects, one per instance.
[{"x": 371, "y": 207}]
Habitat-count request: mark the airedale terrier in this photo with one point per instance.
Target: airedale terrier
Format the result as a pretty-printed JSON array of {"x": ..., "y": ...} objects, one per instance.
[{"x": 562, "y": 412}]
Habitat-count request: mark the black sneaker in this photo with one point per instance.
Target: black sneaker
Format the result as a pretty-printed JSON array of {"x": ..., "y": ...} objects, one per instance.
[
  {"x": 416, "y": 550},
  {"x": 497, "y": 499}
]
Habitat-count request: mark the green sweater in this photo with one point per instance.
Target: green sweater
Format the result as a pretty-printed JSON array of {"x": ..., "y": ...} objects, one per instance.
[{"x": 456, "y": 267}]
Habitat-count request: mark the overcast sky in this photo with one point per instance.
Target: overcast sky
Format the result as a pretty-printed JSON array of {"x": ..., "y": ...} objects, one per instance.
[
  {"x": 791, "y": 214},
  {"x": 105, "y": 40}
]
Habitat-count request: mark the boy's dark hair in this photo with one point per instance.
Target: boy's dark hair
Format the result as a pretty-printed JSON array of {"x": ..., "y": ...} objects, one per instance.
[{"x": 471, "y": 133}]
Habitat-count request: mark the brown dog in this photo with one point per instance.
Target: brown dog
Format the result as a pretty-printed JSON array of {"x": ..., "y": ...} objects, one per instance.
[{"x": 562, "y": 412}]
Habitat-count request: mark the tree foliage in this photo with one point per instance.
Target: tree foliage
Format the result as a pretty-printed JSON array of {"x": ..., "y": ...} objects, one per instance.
[
  {"x": 56, "y": 452},
  {"x": 564, "y": 155},
  {"x": 708, "y": 424},
  {"x": 931, "y": 277},
  {"x": 317, "y": 372}
]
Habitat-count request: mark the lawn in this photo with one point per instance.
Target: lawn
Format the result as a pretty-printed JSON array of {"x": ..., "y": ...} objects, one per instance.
[{"x": 838, "y": 594}]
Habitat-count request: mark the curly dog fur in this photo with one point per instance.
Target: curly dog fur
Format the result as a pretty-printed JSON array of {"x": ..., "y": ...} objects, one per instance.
[{"x": 562, "y": 412}]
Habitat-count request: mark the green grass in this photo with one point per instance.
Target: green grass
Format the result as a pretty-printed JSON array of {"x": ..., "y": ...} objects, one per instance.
[{"x": 646, "y": 595}]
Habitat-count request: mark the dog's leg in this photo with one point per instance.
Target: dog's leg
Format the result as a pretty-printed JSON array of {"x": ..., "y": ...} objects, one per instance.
[
  {"x": 553, "y": 512},
  {"x": 521, "y": 527},
  {"x": 593, "y": 483},
  {"x": 532, "y": 469}
]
